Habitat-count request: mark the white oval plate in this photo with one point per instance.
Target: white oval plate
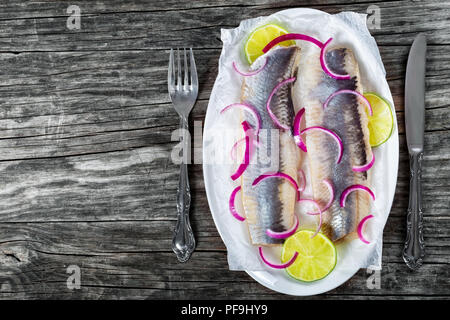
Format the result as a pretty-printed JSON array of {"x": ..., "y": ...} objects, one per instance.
[{"x": 349, "y": 29}]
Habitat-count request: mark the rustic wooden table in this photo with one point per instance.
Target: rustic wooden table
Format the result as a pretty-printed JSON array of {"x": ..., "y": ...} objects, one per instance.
[{"x": 86, "y": 179}]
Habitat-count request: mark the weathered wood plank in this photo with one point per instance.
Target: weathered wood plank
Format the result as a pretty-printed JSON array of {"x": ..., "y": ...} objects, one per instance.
[
  {"x": 155, "y": 275},
  {"x": 155, "y": 27},
  {"x": 102, "y": 238},
  {"x": 18, "y": 10},
  {"x": 85, "y": 102},
  {"x": 141, "y": 184}
]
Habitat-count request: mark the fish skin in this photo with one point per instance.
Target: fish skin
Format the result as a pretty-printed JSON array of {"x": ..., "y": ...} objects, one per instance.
[
  {"x": 271, "y": 203},
  {"x": 345, "y": 115}
]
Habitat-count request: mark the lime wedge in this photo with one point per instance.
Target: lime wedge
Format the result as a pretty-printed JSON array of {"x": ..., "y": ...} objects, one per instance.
[
  {"x": 316, "y": 257},
  {"x": 381, "y": 124},
  {"x": 260, "y": 37}
]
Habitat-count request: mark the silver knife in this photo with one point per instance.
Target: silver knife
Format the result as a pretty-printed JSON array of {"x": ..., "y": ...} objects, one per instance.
[{"x": 414, "y": 249}]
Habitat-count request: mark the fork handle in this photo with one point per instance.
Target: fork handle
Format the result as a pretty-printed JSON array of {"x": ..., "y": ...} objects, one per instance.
[
  {"x": 414, "y": 249},
  {"x": 183, "y": 242}
]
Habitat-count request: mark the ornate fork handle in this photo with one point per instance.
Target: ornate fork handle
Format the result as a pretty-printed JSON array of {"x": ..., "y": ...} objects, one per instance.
[
  {"x": 183, "y": 243},
  {"x": 414, "y": 249}
]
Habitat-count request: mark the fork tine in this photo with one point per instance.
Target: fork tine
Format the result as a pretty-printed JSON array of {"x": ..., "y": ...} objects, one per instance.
[
  {"x": 186, "y": 71},
  {"x": 171, "y": 72},
  {"x": 179, "y": 69},
  {"x": 194, "y": 80}
]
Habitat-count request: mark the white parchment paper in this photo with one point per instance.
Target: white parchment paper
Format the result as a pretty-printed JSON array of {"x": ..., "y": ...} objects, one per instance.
[{"x": 347, "y": 29}]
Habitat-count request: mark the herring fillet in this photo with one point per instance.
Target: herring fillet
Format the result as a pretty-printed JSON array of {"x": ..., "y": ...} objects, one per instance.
[
  {"x": 271, "y": 203},
  {"x": 346, "y": 116}
]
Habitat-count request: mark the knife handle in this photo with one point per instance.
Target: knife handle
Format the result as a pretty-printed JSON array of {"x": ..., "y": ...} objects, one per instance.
[{"x": 414, "y": 249}]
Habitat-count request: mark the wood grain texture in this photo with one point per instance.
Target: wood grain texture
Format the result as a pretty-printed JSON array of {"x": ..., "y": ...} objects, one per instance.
[{"x": 86, "y": 133}]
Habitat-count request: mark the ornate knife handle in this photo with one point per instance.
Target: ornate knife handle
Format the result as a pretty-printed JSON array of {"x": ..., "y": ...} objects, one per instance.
[
  {"x": 183, "y": 243},
  {"x": 414, "y": 249}
]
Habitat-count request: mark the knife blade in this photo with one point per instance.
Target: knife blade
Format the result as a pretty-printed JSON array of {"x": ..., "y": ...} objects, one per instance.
[
  {"x": 415, "y": 94},
  {"x": 414, "y": 249}
]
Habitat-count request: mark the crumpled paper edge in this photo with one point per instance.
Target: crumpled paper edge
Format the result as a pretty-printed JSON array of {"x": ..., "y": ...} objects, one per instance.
[{"x": 353, "y": 21}]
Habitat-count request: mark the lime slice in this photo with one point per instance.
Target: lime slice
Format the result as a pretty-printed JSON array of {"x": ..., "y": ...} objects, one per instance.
[
  {"x": 260, "y": 37},
  {"x": 381, "y": 124},
  {"x": 316, "y": 257}
]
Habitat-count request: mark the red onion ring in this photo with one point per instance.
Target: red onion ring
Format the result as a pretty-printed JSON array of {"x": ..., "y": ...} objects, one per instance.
[
  {"x": 352, "y": 188},
  {"x": 366, "y": 166},
  {"x": 303, "y": 177},
  {"x": 278, "y": 175},
  {"x": 237, "y": 143},
  {"x": 324, "y": 65},
  {"x": 234, "y": 147},
  {"x": 246, "y": 126},
  {"x": 360, "y": 227},
  {"x": 291, "y": 36},
  {"x": 331, "y": 133},
  {"x": 284, "y": 234},
  {"x": 356, "y": 93},
  {"x": 231, "y": 204},
  {"x": 251, "y": 73},
  {"x": 328, "y": 205},
  {"x": 249, "y": 108},
  {"x": 313, "y": 214},
  {"x": 272, "y": 116},
  {"x": 240, "y": 170},
  {"x": 297, "y": 138},
  {"x": 277, "y": 266}
]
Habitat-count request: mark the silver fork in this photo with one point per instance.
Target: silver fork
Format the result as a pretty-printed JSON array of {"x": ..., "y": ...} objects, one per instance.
[{"x": 183, "y": 95}]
